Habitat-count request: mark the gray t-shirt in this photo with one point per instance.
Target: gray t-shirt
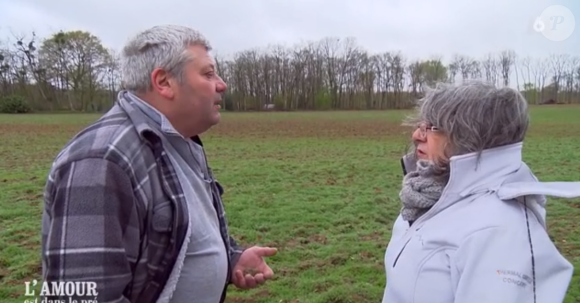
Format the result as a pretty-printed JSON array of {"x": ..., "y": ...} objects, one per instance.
[
  {"x": 204, "y": 273},
  {"x": 203, "y": 276}
]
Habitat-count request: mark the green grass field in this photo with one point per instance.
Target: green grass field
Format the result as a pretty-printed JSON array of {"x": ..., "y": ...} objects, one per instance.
[{"x": 322, "y": 187}]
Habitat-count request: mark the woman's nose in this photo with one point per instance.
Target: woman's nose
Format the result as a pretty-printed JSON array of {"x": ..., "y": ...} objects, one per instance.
[{"x": 417, "y": 137}]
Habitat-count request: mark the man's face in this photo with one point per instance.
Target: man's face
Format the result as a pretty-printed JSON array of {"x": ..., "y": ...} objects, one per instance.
[{"x": 198, "y": 99}]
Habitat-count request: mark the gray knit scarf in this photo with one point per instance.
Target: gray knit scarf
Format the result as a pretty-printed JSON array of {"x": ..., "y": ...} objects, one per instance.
[{"x": 421, "y": 190}]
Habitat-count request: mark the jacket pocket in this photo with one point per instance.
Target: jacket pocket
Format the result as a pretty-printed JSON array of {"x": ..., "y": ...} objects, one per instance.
[{"x": 162, "y": 217}]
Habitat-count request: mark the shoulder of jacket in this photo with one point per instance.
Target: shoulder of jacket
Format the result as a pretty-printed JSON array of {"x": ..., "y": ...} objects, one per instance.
[{"x": 110, "y": 138}]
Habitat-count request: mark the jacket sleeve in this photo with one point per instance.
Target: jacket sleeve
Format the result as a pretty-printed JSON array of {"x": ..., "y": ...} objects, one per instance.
[
  {"x": 495, "y": 265},
  {"x": 235, "y": 252},
  {"x": 89, "y": 208}
]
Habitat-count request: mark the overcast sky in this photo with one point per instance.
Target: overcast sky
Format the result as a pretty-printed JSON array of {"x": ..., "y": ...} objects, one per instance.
[{"x": 418, "y": 28}]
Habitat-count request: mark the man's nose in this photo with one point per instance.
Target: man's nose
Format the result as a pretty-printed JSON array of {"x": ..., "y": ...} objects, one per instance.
[{"x": 221, "y": 85}]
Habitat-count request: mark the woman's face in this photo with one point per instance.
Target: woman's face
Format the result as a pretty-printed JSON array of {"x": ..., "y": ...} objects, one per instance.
[{"x": 430, "y": 142}]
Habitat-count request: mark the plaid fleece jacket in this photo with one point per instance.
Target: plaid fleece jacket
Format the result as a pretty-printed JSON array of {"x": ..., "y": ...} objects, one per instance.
[{"x": 114, "y": 212}]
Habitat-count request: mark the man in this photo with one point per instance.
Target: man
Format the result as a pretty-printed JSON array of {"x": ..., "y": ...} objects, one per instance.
[{"x": 131, "y": 203}]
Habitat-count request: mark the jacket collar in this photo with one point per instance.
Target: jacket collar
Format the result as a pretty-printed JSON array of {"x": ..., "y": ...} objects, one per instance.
[
  {"x": 471, "y": 171},
  {"x": 477, "y": 174},
  {"x": 148, "y": 121},
  {"x": 500, "y": 171}
]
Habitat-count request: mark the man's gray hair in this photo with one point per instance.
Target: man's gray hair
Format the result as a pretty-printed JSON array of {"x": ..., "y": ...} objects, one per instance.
[
  {"x": 162, "y": 47},
  {"x": 474, "y": 115}
]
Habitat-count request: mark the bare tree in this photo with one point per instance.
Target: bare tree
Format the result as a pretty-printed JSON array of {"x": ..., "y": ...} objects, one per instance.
[
  {"x": 506, "y": 60},
  {"x": 490, "y": 65},
  {"x": 557, "y": 64}
]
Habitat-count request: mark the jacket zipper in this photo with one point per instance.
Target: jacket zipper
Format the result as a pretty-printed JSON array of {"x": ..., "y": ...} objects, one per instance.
[{"x": 401, "y": 252}]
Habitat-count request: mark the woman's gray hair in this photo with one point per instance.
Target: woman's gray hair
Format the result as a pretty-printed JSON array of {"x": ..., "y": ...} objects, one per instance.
[
  {"x": 474, "y": 116},
  {"x": 164, "y": 47}
]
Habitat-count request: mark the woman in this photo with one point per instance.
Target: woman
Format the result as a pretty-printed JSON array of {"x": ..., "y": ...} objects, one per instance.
[{"x": 472, "y": 226}]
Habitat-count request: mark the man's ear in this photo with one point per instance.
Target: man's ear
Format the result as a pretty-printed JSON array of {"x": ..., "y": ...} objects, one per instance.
[{"x": 163, "y": 83}]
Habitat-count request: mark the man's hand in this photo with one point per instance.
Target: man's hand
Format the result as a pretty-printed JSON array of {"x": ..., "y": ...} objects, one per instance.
[{"x": 251, "y": 269}]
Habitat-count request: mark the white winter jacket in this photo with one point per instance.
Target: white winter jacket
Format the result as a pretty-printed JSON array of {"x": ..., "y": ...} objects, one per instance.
[{"x": 485, "y": 240}]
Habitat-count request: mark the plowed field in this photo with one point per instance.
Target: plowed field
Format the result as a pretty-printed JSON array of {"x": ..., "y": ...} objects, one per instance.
[{"x": 322, "y": 187}]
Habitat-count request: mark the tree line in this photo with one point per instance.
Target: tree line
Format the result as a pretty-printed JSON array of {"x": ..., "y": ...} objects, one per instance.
[{"x": 74, "y": 71}]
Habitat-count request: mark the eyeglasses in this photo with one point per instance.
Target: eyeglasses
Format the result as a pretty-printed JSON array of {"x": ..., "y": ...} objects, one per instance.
[{"x": 423, "y": 128}]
